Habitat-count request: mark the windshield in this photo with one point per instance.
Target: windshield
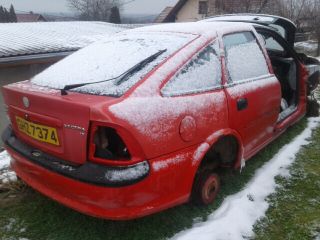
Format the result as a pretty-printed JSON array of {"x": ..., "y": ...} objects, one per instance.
[{"x": 110, "y": 58}]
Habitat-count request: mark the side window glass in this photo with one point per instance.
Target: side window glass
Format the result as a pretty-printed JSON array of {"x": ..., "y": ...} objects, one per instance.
[
  {"x": 244, "y": 58},
  {"x": 201, "y": 74},
  {"x": 272, "y": 44}
]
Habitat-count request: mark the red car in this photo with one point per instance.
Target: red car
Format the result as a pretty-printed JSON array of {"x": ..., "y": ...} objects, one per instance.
[{"x": 141, "y": 121}]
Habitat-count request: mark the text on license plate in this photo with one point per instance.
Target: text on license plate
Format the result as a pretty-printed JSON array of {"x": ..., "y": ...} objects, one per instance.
[{"x": 38, "y": 132}]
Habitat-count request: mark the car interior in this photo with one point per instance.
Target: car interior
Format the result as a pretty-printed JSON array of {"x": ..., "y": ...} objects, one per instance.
[{"x": 285, "y": 68}]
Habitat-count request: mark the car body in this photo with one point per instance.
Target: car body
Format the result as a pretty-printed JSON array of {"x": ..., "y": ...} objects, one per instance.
[{"x": 206, "y": 97}]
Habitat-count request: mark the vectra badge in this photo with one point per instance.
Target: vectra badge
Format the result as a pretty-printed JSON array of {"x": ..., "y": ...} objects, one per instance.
[
  {"x": 74, "y": 127},
  {"x": 26, "y": 102}
]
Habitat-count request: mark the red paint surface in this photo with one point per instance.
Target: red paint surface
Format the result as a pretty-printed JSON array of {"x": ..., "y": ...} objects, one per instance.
[{"x": 167, "y": 185}]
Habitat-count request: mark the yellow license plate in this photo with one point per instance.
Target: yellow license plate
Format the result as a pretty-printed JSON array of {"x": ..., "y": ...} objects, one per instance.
[{"x": 39, "y": 132}]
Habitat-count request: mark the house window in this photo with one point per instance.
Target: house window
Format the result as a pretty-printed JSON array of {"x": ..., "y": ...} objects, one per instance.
[{"x": 203, "y": 7}]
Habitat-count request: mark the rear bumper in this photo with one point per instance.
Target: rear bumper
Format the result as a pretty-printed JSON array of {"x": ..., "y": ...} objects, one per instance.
[
  {"x": 152, "y": 193},
  {"x": 87, "y": 173}
]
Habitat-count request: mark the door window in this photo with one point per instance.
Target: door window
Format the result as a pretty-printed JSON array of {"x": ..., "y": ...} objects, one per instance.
[
  {"x": 244, "y": 58},
  {"x": 202, "y": 73}
]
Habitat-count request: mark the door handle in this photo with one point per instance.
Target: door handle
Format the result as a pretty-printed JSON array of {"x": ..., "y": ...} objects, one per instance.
[{"x": 242, "y": 104}]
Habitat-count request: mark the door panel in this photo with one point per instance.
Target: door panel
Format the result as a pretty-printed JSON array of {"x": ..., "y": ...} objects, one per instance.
[
  {"x": 256, "y": 122},
  {"x": 253, "y": 93}
]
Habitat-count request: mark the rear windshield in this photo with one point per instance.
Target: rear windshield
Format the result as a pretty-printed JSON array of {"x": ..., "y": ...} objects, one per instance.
[{"x": 110, "y": 58}]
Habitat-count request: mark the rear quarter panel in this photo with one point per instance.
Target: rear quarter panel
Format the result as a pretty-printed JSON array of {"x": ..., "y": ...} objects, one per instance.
[{"x": 156, "y": 122}]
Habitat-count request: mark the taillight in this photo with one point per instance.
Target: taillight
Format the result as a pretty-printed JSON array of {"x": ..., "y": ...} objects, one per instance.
[
  {"x": 113, "y": 145},
  {"x": 109, "y": 145}
]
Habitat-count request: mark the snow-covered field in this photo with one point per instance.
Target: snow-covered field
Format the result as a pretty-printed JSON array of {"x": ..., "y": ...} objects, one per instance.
[
  {"x": 6, "y": 175},
  {"x": 307, "y": 47},
  {"x": 236, "y": 216}
]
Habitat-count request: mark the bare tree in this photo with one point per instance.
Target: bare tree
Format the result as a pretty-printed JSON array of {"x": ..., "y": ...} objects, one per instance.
[
  {"x": 94, "y": 10},
  {"x": 313, "y": 19},
  {"x": 304, "y": 13},
  {"x": 294, "y": 10}
]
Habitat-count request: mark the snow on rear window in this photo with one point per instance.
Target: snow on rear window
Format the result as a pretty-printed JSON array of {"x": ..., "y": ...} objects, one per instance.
[
  {"x": 200, "y": 74},
  {"x": 110, "y": 58},
  {"x": 244, "y": 57}
]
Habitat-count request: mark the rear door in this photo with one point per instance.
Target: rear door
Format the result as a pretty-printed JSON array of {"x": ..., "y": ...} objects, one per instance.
[{"x": 253, "y": 92}]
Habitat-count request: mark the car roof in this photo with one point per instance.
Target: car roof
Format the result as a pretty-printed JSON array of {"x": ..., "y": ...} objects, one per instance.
[
  {"x": 249, "y": 17},
  {"x": 279, "y": 24},
  {"x": 197, "y": 28}
]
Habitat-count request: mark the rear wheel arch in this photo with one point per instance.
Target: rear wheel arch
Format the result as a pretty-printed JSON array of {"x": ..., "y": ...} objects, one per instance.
[
  {"x": 218, "y": 142},
  {"x": 225, "y": 150},
  {"x": 217, "y": 155}
]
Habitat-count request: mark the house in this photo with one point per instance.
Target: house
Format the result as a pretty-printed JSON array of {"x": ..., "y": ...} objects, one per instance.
[
  {"x": 25, "y": 44},
  {"x": 30, "y": 17},
  {"x": 195, "y": 10},
  {"x": 163, "y": 15}
]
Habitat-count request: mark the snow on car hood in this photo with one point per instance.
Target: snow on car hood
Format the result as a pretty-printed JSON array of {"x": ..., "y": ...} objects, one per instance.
[{"x": 110, "y": 58}]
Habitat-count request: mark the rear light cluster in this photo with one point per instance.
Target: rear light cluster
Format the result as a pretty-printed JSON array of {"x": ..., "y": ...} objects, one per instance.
[
  {"x": 109, "y": 145},
  {"x": 112, "y": 145}
]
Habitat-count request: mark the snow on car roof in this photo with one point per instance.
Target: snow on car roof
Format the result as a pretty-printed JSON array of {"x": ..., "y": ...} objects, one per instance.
[
  {"x": 105, "y": 61},
  {"x": 110, "y": 57},
  {"x": 200, "y": 28},
  {"x": 18, "y": 39},
  {"x": 242, "y": 17},
  {"x": 247, "y": 17}
]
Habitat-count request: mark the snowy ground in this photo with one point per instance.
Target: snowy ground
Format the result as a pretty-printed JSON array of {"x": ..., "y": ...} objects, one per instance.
[
  {"x": 6, "y": 175},
  {"x": 239, "y": 212},
  {"x": 307, "y": 47},
  {"x": 235, "y": 218}
]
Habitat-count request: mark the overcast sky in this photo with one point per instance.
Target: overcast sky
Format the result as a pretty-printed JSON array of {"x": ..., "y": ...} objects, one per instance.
[{"x": 136, "y": 7}]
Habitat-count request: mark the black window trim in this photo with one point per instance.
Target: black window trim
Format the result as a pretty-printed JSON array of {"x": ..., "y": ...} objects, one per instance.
[{"x": 249, "y": 80}]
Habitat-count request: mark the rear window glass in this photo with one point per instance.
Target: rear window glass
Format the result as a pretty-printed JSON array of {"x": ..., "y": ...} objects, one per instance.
[
  {"x": 244, "y": 57},
  {"x": 202, "y": 73},
  {"x": 110, "y": 58}
]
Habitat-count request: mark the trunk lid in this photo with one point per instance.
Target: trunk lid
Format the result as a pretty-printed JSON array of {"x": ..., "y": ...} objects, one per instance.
[{"x": 55, "y": 124}]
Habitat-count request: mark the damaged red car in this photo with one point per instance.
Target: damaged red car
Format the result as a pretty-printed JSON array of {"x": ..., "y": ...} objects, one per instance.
[{"x": 141, "y": 121}]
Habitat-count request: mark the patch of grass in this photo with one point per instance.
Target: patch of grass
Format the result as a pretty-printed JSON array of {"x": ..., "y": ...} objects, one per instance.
[
  {"x": 41, "y": 218},
  {"x": 294, "y": 212}
]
